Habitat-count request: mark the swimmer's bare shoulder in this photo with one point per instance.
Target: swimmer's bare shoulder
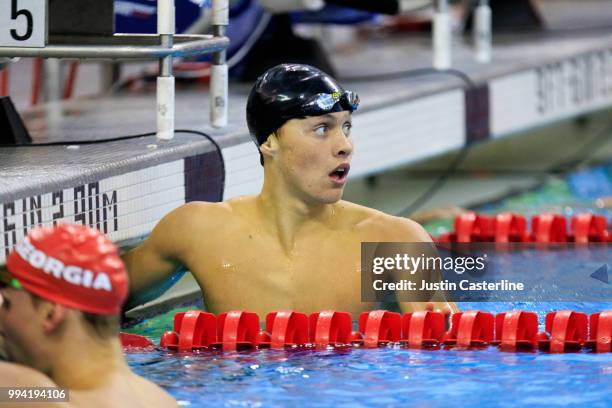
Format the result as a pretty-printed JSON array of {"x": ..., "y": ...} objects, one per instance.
[
  {"x": 376, "y": 226},
  {"x": 123, "y": 391},
  {"x": 151, "y": 395},
  {"x": 382, "y": 227},
  {"x": 19, "y": 376},
  {"x": 134, "y": 391},
  {"x": 181, "y": 233}
]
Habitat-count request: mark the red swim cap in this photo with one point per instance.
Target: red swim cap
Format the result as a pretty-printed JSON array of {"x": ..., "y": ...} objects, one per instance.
[{"x": 72, "y": 265}]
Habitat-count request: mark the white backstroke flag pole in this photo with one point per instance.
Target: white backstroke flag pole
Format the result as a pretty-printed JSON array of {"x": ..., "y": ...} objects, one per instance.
[
  {"x": 442, "y": 36},
  {"x": 482, "y": 32},
  {"x": 165, "y": 80},
  {"x": 219, "y": 70}
]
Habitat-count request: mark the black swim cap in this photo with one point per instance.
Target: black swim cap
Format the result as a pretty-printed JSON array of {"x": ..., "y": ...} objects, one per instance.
[{"x": 292, "y": 91}]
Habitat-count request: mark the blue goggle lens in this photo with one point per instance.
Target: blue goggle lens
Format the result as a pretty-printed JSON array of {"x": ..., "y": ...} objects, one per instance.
[{"x": 325, "y": 102}]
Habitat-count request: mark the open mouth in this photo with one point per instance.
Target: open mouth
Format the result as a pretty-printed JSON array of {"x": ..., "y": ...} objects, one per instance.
[{"x": 340, "y": 173}]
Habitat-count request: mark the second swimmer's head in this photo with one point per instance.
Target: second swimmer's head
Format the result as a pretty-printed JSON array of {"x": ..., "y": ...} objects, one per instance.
[{"x": 293, "y": 91}]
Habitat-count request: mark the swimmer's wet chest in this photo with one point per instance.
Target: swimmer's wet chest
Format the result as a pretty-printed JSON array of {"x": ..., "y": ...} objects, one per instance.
[{"x": 322, "y": 259}]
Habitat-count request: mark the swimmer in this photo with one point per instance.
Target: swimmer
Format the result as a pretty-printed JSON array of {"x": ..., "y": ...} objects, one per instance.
[
  {"x": 60, "y": 298},
  {"x": 296, "y": 245}
]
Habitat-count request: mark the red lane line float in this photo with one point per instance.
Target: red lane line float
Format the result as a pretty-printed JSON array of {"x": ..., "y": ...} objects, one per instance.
[
  {"x": 380, "y": 327},
  {"x": 589, "y": 228},
  {"x": 131, "y": 341},
  {"x": 472, "y": 227},
  {"x": 197, "y": 330},
  {"x": 516, "y": 330},
  {"x": 549, "y": 228},
  {"x": 262, "y": 340},
  {"x": 600, "y": 334},
  {"x": 287, "y": 328},
  {"x": 567, "y": 331},
  {"x": 424, "y": 329},
  {"x": 169, "y": 340},
  {"x": 237, "y": 330},
  {"x": 330, "y": 327},
  {"x": 508, "y": 227},
  {"x": 192, "y": 330},
  {"x": 464, "y": 226},
  {"x": 471, "y": 329},
  {"x": 545, "y": 228}
]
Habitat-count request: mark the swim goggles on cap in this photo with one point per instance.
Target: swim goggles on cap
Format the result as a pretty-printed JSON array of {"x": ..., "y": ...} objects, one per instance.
[{"x": 323, "y": 103}]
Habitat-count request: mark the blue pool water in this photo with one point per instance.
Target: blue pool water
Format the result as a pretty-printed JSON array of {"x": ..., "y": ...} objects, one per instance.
[{"x": 387, "y": 377}]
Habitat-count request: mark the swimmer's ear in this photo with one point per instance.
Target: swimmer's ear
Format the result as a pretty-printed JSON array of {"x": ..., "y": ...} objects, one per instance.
[
  {"x": 53, "y": 316},
  {"x": 270, "y": 146}
]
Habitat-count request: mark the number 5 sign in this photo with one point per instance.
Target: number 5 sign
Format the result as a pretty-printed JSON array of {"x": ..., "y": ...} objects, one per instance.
[{"x": 23, "y": 23}]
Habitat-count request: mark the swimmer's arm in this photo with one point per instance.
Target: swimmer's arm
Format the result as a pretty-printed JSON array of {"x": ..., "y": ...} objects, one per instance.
[
  {"x": 438, "y": 302},
  {"x": 19, "y": 376},
  {"x": 157, "y": 259}
]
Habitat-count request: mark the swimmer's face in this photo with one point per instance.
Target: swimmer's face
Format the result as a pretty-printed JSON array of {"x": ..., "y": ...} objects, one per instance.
[
  {"x": 313, "y": 155},
  {"x": 19, "y": 334},
  {"x": 25, "y": 324}
]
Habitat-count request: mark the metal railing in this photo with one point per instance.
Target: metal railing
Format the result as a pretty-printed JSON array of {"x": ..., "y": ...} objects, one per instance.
[{"x": 163, "y": 46}]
